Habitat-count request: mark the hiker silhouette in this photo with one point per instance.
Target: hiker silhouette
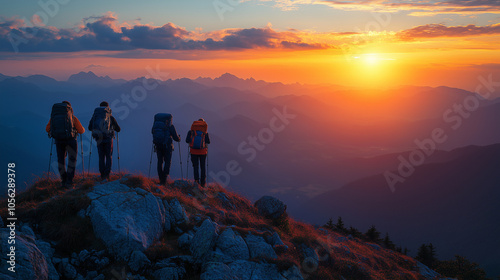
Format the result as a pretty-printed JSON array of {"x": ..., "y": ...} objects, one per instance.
[
  {"x": 198, "y": 139},
  {"x": 64, "y": 127},
  {"x": 103, "y": 126},
  {"x": 163, "y": 133}
]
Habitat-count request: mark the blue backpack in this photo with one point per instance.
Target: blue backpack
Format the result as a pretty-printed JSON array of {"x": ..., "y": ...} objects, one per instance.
[
  {"x": 161, "y": 129},
  {"x": 101, "y": 125}
]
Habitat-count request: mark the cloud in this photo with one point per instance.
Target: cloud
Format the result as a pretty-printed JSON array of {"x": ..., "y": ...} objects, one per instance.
[
  {"x": 105, "y": 33},
  {"x": 441, "y": 30},
  {"x": 415, "y": 8}
]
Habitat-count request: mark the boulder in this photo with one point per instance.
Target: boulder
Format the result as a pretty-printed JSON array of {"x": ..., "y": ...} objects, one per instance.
[
  {"x": 172, "y": 272},
  {"x": 203, "y": 240},
  {"x": 48, "y": 252},
  {"x": 67, "y": 269},
  {"x": 310, "y": 257},
  {"x": 293, "y": 273},
  {"x": 125, "y": 219},
  {"x": 246, "y": 270},
  {"x": 184, "y": 240},
  {"x": 426, "y": 272},
  {"x": 217, "y": 271},
  {"x": 271, "y": 207},
  {"x": 259, "y": 248},
  {"x": 176, "y": 215},
  {"x": 233, "y": 245},
  {"x": 30, "y": 261},
  {"x": 138, "y": 261}
]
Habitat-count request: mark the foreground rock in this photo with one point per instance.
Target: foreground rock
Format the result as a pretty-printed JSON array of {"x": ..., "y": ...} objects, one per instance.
[
  {"x": 203, "y": 240},
  {"x": 30, "y": 262},
  {"x": 128, "y": 219}
]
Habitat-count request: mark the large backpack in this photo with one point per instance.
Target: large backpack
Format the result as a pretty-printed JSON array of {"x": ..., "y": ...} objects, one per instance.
[
  {"x": 161, "y": 129},
  {"x": 198, "y": 132},
  {"x": 101, "y": 125},
  {"x": 61, "y": 122}
]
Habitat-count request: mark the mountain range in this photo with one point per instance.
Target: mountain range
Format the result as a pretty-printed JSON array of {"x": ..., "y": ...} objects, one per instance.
[{"x": 324, "y": 162}]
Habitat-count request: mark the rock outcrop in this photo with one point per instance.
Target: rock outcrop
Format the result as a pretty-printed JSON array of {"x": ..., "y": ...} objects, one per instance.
[{"x": 271, "y": 207}]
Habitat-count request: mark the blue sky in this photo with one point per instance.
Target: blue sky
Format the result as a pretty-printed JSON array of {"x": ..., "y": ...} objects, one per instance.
[{"x": 193, "y": 14}]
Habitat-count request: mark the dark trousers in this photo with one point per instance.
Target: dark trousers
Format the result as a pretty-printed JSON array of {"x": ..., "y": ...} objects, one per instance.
[
  {"x": 105, "y": 151},
  {"x": 67, "y": 147},
  {"x": 164, "y": 155},
  {"x": 199, "y": 162}
]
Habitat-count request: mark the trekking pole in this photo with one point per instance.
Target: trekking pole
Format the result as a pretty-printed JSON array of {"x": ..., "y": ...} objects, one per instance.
[
  {"x": 50, "y": 158},
  {"x": 81, "y": 148},
  {"x": 180, "y": 159},
  {"x": 206, "y": 171},
  {"x": 90, "y": 154},
  {"x": 187, "y": 166},
  {"x": 150, "y": 161},
  {"x": 118, "y": 150}
]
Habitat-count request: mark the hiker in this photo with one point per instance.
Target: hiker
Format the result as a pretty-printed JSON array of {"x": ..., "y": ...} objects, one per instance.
[
  {"x": 163, "y": 133},
  {"x": 198, "y": 139},
  {"x": 63, "y": 126},
  {"x": 103, "y": 126}
]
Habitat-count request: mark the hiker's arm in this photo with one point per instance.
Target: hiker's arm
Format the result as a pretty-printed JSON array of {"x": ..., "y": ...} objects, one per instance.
[
  {"x": 78, "y": 125},
  {"x": 91, "y": 123},
  {"x": 116, "y": 127},
  {"x": 174, "y": 134},
  {"x": 207, "y": 138},
  {"x": 188, "y": 137},
  {"x": 47, "y": 128}
]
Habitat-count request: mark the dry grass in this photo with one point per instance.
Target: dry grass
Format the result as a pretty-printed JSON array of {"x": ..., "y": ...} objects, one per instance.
[{"x": 53, "y": 212}]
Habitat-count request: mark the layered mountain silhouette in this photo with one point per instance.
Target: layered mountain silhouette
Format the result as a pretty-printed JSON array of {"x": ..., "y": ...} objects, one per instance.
[{"x": 446, "y": 200}]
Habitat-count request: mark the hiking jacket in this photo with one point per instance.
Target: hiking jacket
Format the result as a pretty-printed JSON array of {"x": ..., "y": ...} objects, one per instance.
[
  {"x": 113, "y": 125},
  {"x": 76, "y": 124},
  {"x": 173, "y": 135},
  {"x": 197, "y": 151}
]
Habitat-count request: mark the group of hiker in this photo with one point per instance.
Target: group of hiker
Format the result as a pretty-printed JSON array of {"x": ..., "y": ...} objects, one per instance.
[{"x": 64, "y": 128}]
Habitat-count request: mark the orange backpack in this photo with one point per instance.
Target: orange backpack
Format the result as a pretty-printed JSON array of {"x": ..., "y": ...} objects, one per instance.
[{"x": 198, "y": 132}]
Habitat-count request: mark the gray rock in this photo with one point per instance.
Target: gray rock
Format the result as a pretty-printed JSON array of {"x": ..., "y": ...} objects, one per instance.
[
  {"x": 217, "y": 271},
  {"x": 174, "y": 261},
  {"x": 270, "y": 207},
  {"x": 310, "y": 258},
  {"x": 184, "y": 240},
  {"x": 274, "y": 239},
  {"x": 48, "y": 252},
  {"x": 259, "y": 248},
  {"x": 233, "y": 245},
  {"x": 177, "y": 214},
  {"x": 28, "y": 232},
  {"x": 138, "y": 260},
  {"x": 218, "y": 256},
  {"x": 30, "y": 261},
  {"x": 100, "y": 277},
  {"x": 203, "y": 240},
  {"x": 67, "y": 269},
  {"x": 91, "y": 275},
  {"x": 246, "y": 270},
  {"x": 293, "y": 273},
  {"x": 125, "y": 219},
  {"x": 79, "y": 277},
  {"x": 172, "y": 272},
  {"x": 426, "y": 272},
  {"x": 83, "y": 256}
]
